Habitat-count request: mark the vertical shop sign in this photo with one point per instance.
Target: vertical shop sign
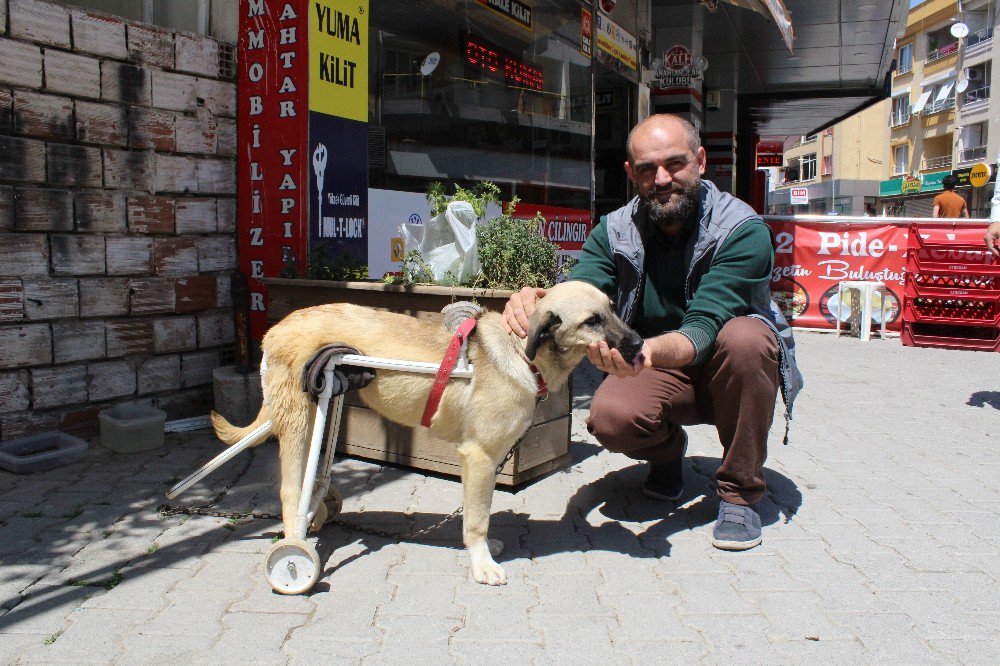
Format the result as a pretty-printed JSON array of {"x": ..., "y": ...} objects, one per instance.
[
  {"x": 272, "y": 130},
  {"x": 586, "y": 33},
  {"x": 302, "y": 135},
  {"x": 338, "y": 128}
]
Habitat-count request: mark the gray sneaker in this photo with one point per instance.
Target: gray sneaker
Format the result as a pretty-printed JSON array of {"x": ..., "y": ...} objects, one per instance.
[{"x": 737, "y": 528}]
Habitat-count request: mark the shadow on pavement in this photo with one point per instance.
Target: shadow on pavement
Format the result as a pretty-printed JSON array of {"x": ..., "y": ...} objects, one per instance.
[
  {"x": 983, "y": 398},
  {"x": 58, "y": 561}
]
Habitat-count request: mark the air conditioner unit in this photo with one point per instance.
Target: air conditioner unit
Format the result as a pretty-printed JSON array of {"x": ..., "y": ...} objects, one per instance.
[{"x": 974, "y": 74}]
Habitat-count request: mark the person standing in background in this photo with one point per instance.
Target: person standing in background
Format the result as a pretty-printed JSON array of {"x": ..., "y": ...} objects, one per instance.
[{"x": 949, "y": 203}]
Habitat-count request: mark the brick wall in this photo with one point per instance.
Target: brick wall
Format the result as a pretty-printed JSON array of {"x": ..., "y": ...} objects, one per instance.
[{"x": 117, "y": 217}]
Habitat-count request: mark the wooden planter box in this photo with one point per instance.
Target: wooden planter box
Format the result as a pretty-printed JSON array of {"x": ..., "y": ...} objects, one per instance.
[{"x": 365, "y": 434}]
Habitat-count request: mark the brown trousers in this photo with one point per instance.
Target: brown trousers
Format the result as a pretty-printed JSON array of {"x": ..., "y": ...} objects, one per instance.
[{"x": 735, "y": 390}]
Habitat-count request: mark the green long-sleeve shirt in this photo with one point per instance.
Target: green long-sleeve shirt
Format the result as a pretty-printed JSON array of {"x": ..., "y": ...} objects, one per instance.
[{"x": 741, "y": 264}]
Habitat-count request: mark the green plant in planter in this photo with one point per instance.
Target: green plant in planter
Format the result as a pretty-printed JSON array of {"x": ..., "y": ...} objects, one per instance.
[
  {"x": 479, "y": 197},
  {"x": 323, "y": 266},
  {"x": 512, "y": 252}
]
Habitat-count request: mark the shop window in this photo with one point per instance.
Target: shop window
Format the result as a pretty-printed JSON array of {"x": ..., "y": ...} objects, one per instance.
[
  {"x": 905, "y": 63},
  {"x": 900, "y": 160},
  {"x": 506, "y": 102},
  {"x": 978, "y": 89},
  {"x": 900, "y": 113},
  {"x": 187, "y": 15},
  {"x": 974, "y": 140},
  {"x": 809, "y": 166},
  {"x": 941, "y": 44}
]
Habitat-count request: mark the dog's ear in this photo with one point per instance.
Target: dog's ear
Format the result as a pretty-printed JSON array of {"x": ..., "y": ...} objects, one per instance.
[{"x": 541, "y": 331}]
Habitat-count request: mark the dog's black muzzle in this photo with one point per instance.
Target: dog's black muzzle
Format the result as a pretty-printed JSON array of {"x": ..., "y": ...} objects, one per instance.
[{"x": 630, "y": 345}]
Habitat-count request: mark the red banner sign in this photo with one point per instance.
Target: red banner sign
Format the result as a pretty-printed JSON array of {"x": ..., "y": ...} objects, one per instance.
[
  {"x": 812, "y": 258},
  {"x": 272, "y": 130},
  {"x": 566, "y": 227}
]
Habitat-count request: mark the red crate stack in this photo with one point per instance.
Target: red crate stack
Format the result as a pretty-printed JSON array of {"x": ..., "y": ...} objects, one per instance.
[{"x": 952, "y": 294}]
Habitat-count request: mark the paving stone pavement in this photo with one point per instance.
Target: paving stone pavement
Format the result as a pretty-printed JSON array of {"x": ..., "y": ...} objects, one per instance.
[{"x": 880, "y": 546}]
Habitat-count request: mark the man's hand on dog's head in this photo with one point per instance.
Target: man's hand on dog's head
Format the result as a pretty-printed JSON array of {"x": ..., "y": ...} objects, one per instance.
[
  {"x": 519, "y": 309},
  {"x": 610, "y": 360}
]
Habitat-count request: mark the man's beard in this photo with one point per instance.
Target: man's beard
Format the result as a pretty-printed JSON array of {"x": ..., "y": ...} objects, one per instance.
[{"x": 680, "y": 208}]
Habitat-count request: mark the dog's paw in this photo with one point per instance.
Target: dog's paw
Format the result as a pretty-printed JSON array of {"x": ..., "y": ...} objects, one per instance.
[
  {"x": 489, "y": 573},
  {"x": 496, "y": 546}
]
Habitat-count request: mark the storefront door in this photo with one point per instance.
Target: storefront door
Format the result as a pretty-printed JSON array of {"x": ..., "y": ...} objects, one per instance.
[{"x": 614, "y": 114}]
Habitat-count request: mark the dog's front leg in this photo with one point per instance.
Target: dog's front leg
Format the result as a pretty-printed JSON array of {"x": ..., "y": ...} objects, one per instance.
[{"x": 478, "y": 480}]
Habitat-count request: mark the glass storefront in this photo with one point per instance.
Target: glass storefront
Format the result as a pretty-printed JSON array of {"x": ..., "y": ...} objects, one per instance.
[{"x": 463, "y": 92}]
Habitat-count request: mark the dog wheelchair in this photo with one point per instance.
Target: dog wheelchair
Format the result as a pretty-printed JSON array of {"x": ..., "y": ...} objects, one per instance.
[{"x": 292, "y": 566}]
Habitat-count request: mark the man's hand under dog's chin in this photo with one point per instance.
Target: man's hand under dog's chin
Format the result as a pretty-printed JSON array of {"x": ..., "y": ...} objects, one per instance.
[
  {"x": 670, "y": 350},
  {"x": 611, "y": 361}
]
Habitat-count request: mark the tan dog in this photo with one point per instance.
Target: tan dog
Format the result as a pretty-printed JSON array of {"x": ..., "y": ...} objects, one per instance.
[{"x": 484, "y": 415}]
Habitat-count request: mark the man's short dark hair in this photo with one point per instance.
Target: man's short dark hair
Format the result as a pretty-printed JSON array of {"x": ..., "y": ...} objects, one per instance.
[{"x": 949, "y": 182}]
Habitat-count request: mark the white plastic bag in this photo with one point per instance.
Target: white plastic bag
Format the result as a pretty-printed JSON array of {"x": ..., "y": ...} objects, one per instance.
[{"x": 447, "y": 243}]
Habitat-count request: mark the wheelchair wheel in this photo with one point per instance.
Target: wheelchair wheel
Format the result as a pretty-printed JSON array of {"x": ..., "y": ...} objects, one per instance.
[{"x": 292, "y": 566}]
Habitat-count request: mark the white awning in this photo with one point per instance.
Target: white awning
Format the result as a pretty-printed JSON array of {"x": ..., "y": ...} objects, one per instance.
[
  {"x": 772, "y": 9},
  {"x": 921, "y": 103},
  {"x": 945, "y": 91}
]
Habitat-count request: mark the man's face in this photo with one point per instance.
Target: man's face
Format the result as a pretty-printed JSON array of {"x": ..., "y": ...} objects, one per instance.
[{"x": 667, "y": 172}]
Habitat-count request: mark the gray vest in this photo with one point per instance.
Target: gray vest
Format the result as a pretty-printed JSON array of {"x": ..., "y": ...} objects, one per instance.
[{"x": 721, "y": 214}]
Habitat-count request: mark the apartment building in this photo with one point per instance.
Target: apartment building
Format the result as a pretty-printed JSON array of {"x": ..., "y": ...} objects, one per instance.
[
  {"x": 941, "y": 107},
  {"x": 839, "y": 168}
]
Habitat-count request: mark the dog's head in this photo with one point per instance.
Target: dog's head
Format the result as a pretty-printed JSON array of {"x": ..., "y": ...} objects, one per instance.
[{"x": 570, "y": 317}]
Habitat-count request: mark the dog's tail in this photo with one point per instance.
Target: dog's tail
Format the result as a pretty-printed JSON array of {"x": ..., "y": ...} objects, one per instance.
[{"x": 231, "y": 434}]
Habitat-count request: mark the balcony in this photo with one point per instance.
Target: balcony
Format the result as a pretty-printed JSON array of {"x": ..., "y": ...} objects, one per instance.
[
  {"x": 976, "y": 154},
  {"x": 979, "y": 37},
  {"x": 970, "y": 97},
  {"x": 942, "y": 52},
  {"x": 899, "y": 119},
  {"x": 939, "y": 106},
  {"x": 936, "y": 163}
]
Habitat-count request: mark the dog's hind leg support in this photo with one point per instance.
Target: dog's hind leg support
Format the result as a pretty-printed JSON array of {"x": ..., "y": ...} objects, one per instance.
[
  {"x": 312, "y": 494},
  {"x": 220, "y": 459}
]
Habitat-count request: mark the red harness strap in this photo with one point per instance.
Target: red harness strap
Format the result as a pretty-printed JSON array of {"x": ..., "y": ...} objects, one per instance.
[
  {"x": 444, "y": 372},
  {"x": 543, "y": 390}
]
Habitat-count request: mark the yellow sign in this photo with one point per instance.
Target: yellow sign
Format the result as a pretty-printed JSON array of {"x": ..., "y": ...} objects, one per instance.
[
  {"x": 616, "y": 41},
  {"x": 338, "y": 58},
  {"x": 910, "y": 185},
  {"x": 397, "y": 250},
  {"x": 980, "y": 175}
]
